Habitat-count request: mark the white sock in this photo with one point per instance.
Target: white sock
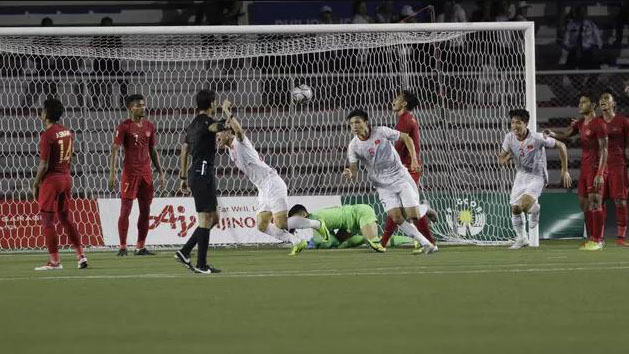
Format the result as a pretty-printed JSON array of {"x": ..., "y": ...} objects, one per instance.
[
  {"x": 533, "y": 216},
  {"x": 281, "y": 235},
  {"x": 518, "y": 225},
  {"x": 410, "y": 230},
  {"x": 297, "y": 222}
]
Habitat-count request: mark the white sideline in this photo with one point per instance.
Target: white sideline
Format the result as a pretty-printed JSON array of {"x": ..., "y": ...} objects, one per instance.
[{"x": 322, "y": 274}]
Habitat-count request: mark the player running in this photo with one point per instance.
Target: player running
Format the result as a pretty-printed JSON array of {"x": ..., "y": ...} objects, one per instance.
[
  {"x": 137, "y": 136},
  {"x": 618, "y": 153},
  {"x": 200, "y": 142},
  {"x": 373, "y": 147},
  {"x": 403, "y": 105},
  {"x": 527, "y": 149},
  {"x": 272, "y": 191},
  {"x": 53, "y": 184},
  {"x": 347, "y": 225},
  {"x": 592, "y": 132}
]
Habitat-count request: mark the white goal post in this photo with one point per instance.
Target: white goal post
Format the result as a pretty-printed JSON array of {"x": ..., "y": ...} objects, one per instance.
[{"x": 467, "y": 76}]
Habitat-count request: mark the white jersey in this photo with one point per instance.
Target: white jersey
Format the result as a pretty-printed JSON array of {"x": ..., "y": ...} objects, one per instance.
[
  {"x": 249, "y": 162},
  {"x": 529, "y": 155},
  {"x": 378, "y": 155}
]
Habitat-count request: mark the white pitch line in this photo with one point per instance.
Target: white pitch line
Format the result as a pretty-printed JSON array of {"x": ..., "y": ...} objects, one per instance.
[{"x": 321, "y": 274}]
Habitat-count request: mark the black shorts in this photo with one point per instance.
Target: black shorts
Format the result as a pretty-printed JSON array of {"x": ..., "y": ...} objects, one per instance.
[{"x": 203, "y": 189}]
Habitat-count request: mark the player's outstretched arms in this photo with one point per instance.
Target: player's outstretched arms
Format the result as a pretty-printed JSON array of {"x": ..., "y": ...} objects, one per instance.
[
  {"x": 232, "y": 122},
  {"x": 561, "y": 135}
]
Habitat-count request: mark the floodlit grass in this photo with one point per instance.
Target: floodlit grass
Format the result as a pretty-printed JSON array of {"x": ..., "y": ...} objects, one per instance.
[{"x": 554, "y": 299}]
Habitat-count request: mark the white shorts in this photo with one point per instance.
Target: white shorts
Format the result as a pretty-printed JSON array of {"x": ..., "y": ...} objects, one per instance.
[
  {"x": 403, "y": 194},
  {"x": 526, "y": 183},
  {"x": 273, "y": 196}
]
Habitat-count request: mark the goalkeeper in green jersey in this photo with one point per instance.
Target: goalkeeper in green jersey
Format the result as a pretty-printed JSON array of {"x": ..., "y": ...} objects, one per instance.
[
  {"x": 350, "y": 226},
  {"x": 342, "y": 226}
]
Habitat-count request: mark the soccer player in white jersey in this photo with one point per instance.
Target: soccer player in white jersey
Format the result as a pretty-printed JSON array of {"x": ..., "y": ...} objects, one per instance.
[
  {"x": 272, "y": 191},
  {"x": 373, "y": 147},
  {"x": 527, "y": 150}
]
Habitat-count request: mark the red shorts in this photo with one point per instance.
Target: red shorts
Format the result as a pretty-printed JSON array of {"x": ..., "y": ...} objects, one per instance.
[
  {"x": 140, "y": 187},
  {"x": 616, "y": 183},
  {"x": 54, "y": 193},
  {"x": 586, "y": 183}
]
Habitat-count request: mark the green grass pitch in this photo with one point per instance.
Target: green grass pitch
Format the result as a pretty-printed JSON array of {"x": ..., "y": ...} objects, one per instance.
[{"x": 554, "y": 299}]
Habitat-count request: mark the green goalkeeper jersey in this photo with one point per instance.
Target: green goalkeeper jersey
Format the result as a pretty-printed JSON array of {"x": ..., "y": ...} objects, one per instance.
[{"x": 350, "y": 218}]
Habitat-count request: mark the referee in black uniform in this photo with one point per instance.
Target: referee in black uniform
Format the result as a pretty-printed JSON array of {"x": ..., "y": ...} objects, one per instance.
[{"x": 200, "y": 142}]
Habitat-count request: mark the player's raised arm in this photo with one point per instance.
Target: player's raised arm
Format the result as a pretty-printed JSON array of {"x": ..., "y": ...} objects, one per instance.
[
  {"x": 232, "y": 122},
  {"x": 563, "y": 135}
]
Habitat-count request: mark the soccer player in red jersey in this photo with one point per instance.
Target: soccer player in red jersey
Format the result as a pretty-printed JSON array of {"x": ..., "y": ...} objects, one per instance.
[
  {"x": 618, "y": 152},
  {"x": 403, "y": 105},
  {"x": 593, "y": 134},
  {"x": 53, "y": 183},
  {"x": 137, "y": 136}
]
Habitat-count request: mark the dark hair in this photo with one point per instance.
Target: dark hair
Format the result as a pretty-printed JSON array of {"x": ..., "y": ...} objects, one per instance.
[
  {"x": 358, "y": 112},
  {"x": 411, "y": 100},
  {"x": 46, "y": 22},
  {"x": 130, "y": 99},
  {"x": 296, "y": 209},
  {"x": 357, "y": 4},
  {"x": 106, "y": 21},
  {"x": 522, "y": 114},
  {"x": 54, "y": 109},
  {"x": 205, "y": 98}
]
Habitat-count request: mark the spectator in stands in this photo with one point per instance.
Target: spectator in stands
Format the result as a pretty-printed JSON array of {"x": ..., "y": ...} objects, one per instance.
[
  {"x": 44, "y": 67},
  {"x": 384, "y": 12},
  {"x": 500, "y": 11},
  {"x": 521, "y": 11},
  {"x": 621, "y": 21},
  {"x": 360, "y": 12},
  {"x": 452, "y": 12},
  {"x": 582, "y": 40},
  {"x": 407, "y": 14},
  {"x": 215, "y": 13},
  {"x": 483, "y": 13},
  {"x": 107, "y": 70},
  {"x": 325, "y": 14}
]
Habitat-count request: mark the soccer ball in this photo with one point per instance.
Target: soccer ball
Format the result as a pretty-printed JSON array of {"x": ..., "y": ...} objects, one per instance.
[{"x": 301, "y": 93}]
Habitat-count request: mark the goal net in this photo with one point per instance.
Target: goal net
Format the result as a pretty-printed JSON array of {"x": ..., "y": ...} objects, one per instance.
[{"x": 467, "y": 77}]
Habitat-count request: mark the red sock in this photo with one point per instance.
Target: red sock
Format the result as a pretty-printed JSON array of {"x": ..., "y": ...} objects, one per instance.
[
  {"x": 588, "y": 224},
  {"x": 123, "y": 221},
  {"x": 422, "y": 226},
  {"x": 73, "y": 234},
  {"x": 597, "y": 225},
  {"x": 621, "y": 220},
  {"x": 389, "y": 228},
  {"x": 50, "y": 234},
  {"x": 143, "y": 221}
]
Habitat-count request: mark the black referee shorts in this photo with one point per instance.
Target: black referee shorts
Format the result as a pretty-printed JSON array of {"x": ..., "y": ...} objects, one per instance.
[{"x": 203, "y": 189}]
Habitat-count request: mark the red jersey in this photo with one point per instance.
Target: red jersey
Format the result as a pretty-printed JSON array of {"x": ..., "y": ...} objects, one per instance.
[
  {"x": 589, "y": 135},
  {"x": 55, "y": 146},
  {"x": 136, "y": 141},
  {"x": 618, "y": 137},
  {"x": 407, "y": 124}
]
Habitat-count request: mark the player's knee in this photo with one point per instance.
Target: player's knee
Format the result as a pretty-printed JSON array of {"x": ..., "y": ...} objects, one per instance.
[
  {"x": 397, "y": 218},
  {"x": 282, "y": 224},
  {"x": 516, "y": 209},
  {"x": 262, "y": 226}
]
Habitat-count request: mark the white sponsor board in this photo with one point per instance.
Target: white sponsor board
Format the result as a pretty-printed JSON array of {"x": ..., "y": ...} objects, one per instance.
[{"x": 173, "y": 220}]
